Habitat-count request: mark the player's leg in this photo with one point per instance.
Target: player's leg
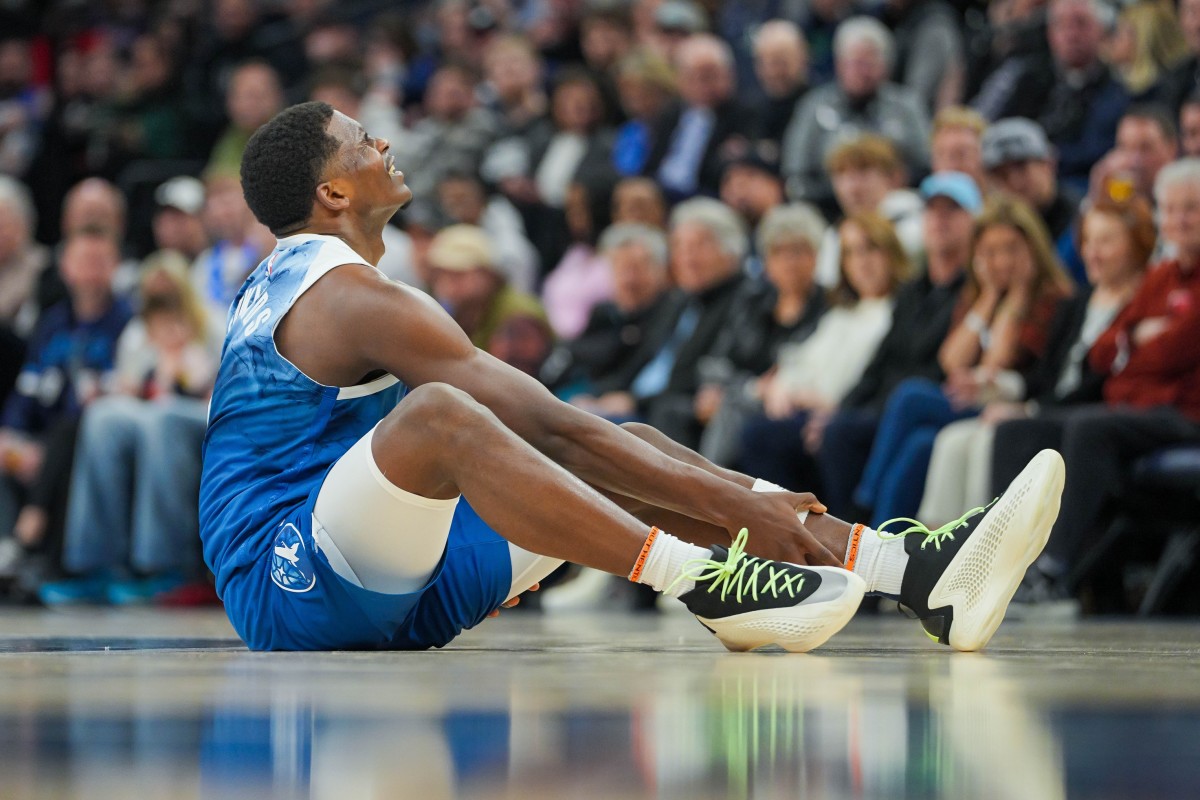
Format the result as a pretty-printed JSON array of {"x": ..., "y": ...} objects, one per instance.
[
  {"x": 439, "y": 443},
  {"x": 958, "y": 578}
]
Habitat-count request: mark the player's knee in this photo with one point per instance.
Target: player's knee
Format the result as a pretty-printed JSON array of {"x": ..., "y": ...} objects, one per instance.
[{"x": 441, "y": 410}]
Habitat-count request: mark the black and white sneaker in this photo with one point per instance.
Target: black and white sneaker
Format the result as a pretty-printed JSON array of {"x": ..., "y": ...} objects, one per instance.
[
  {"x": 750, "y": 602},
  {"x": 961, "y": 576}
]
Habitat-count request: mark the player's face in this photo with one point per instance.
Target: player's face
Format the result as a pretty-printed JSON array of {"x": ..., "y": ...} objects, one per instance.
[{"x": 369, "y": 165}]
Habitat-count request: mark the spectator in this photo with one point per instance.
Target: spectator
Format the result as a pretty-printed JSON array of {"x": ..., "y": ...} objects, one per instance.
[
  {"x": 639, "y": 200},
  {"x": 921, "y": 319},
  {"x": 820, "y": 20},
  {"x": 782, "y": 312},
  {"x": 929, "y": 46},
  {"x": 580, "y": 369},
  {"x": 554, "y": 149},
  {"x": 68, "y": 364},
  {"x": 420, "y": 223},
  {"x": 751, "y": 185},
  {"x": 860, "y": 101},
  {"x": 581, "y": 280},
  {"x": 999, "y": 51},
  {"x": 463, "y": 199},
  {"x": 255, "y": 95},
  {"x": 1019, "y": 161},
  {"x": 515, "y": 73},
  {"x": 1147, "y": 141},
  {"x": 534, "y": 170},
  {"x": 131, "y": 528},
  {"x": 330, "y": 38},
  {"x": 1151, "y": 388},
  {"x": 708, "y": 244},
  {"x": 781, "y": 66},
  {"x": 178, "y": 217},
  {"x": 1071, "y": 93},
  {"x": 395, "y": 68},
  {"x": 346, "y": 90},
  {"x": 956, "y": 144},
  {"x": 865, "y": 172},
  {"x": 235, "y": 34},
  {"x": 85, "y": 82},
  {"x": 1189, "y": 127},
  {"x": 22, "y": 262},
  {"x": 814, "y": 375},
  {"x": 1182, "y": 80},
  {"x": 690, "y": 139},
  {"x": 645, "y": 85},
  {"x": 675, "y": 22},
  {"x": 1145, "y": 45},
  {"x": 455, "y": 128},
  {"x": 1013, "y": 290},
  {"x": 467, "y": 281},
  {"x": 148, "y": 114},
  {"x": 784, "y": 307},
  {"x": 1117, "y": 240},
  {"x": 219, "y": 272},
  {"x": 93, "y": 204},
  {"x": 606, "y": 37},
  {"x": 23, "y": 108}
]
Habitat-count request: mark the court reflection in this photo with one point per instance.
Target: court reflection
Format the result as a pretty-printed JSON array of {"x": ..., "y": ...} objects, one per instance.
[{"x": 745, "y": 726}]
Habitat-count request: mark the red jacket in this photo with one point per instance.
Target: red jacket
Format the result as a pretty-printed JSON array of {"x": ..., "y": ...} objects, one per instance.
[{"x": 1166, "y": 369}]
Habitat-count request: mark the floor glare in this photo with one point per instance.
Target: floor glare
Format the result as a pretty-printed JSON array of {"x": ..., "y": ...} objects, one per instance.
[{"x": 147, "y": 704}]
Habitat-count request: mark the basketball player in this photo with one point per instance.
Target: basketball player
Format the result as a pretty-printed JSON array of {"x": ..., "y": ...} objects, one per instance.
[{"x": 371, "y": 480}]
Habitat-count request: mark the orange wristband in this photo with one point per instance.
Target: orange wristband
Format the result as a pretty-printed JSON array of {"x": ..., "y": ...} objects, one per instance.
[
  {"x": 852, "y": 551},
  {"x": 641, "y": 559}
]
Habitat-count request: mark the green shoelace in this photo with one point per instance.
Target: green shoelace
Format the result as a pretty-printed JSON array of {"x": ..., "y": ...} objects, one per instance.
[
  {"x": 937, "y": 535},
  {"x": 739, "y": 573}
]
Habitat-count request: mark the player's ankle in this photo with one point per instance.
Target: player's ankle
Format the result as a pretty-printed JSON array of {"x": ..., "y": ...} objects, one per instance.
[
  {"x": 662, "y": 561},
  {"x": 877, "y": 560}
]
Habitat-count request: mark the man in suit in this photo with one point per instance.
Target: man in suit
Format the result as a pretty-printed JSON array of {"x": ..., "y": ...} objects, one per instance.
[{"x": 693, "y": 138}]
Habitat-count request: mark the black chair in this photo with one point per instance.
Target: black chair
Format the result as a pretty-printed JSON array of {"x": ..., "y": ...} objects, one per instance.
[
  {"x": 1164, "y": 488},
  {"x": 1174, "y": 475}
]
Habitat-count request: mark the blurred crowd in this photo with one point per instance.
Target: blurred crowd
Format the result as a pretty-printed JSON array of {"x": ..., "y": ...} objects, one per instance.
[{"x": 882, "y": 250}]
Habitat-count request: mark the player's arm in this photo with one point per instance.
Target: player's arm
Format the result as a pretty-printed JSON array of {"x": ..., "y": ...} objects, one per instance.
[{"x": 405, "y": 332}]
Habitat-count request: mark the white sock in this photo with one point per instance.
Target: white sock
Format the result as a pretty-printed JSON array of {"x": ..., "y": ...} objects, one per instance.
[
  {"x": 879, "y": 562},
  {"x": 664, "y": 564}
]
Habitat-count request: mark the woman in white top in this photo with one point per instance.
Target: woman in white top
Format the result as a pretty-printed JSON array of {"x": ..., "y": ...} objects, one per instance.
[{"x": 815, "y": 374}]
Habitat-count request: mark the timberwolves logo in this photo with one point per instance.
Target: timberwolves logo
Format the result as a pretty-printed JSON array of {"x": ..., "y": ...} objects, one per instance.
[{"x": 291, "y": 565}]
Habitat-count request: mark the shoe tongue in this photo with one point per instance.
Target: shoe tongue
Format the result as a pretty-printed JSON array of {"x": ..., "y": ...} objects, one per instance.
[{"x": 719, "y": 553}]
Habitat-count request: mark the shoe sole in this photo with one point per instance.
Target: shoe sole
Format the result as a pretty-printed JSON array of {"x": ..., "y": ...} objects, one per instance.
[
  {"x": 981, "y": 580},
  {"x": 798, "y": 629}
]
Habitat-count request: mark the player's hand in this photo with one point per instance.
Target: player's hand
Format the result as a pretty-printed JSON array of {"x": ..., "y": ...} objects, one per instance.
[
  {"x": 777, "y": 533},
  {"x": 515, "y": 601}
]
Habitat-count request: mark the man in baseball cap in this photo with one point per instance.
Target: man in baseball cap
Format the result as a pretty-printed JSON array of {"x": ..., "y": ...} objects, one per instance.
[
  {"x": 1019, "y": 160},
  {"x": 177, "y": 221},
  {"x": 467, "y": 280},
  {"x": 957, "y": 186}
]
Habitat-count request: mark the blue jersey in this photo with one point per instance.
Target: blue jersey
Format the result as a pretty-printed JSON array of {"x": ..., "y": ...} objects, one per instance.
[
  {"x": 273, "y": 432},
  {"x": 273, "y": 435}
]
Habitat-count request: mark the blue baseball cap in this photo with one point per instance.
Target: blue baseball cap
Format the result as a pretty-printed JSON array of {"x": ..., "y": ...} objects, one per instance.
[{"x": 958, "y": 186}]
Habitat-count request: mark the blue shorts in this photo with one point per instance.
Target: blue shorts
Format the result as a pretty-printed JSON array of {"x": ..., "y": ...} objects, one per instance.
[{"x": 292, "y": 599}]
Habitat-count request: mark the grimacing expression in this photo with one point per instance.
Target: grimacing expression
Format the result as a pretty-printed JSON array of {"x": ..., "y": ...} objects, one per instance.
[{"x": 372, "y": 170}]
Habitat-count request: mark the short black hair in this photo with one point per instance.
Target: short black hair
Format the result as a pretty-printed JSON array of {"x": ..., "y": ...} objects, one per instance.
[
  {"x": 1156, "y": 114},
  {"x": 283, "y": 163}
]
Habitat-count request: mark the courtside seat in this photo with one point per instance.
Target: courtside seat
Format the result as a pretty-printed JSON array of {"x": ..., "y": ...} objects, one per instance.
[{"x": 1172, "y": 475}]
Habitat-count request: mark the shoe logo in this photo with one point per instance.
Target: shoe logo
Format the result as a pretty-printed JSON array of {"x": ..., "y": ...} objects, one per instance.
[{"x": 291, "y": 564}]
